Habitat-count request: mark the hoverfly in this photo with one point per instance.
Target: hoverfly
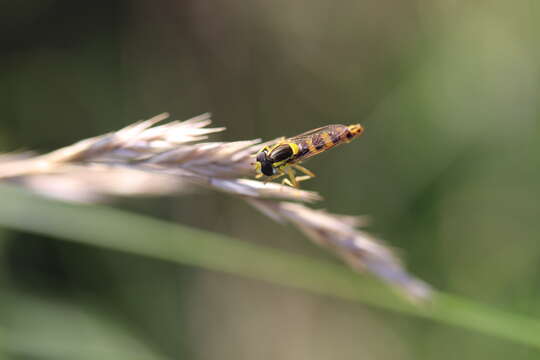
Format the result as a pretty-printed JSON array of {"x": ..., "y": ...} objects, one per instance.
[{"x": 284, "y": 157}]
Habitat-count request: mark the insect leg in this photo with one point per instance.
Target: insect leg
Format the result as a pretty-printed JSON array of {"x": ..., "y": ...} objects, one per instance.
[
  {"x": 304, "y": 170},
  {"x": 290, "y": 172},
  {"x": 258, "y": 169},
  {"x": 303, "y": 178},
  {"x": 273, "y": 177},
  {"x": 287, "y": 182}
]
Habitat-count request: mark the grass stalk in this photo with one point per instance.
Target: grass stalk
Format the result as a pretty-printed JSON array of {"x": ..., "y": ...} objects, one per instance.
[{"x": 118, "y": 230}]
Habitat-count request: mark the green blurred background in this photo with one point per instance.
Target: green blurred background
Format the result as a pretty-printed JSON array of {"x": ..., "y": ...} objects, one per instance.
[{"x": 447, "y": 168}]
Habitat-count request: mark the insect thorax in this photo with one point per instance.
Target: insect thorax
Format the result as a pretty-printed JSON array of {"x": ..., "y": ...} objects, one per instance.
[{"x": 281, "y": 153}]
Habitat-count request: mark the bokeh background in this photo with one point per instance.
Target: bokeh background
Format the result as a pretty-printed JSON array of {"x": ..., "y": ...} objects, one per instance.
[{"x": 448, "y": 167}]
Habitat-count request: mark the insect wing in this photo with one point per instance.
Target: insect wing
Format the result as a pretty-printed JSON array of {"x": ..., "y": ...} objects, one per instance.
[
  {"x": 315, "y": 141},
  {"x": 309, "y": 134}
]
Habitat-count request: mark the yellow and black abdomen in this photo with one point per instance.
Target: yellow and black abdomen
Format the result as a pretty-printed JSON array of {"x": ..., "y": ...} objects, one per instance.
[{"x": 322, "y": 139}]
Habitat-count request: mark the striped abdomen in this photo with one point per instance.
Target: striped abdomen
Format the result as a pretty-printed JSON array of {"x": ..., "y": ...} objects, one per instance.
[{"x": 322, "y": 139}]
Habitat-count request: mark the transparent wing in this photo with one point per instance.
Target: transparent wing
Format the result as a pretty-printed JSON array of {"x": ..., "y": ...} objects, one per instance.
[{"x": 312, "y": 133}]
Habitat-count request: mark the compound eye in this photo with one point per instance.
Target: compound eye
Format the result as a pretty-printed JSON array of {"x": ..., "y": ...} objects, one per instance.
[{"x": 267, "y": 168}]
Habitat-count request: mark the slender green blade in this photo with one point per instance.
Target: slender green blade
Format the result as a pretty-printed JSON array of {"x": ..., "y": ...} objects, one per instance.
[{"x": 123, "y": 231}]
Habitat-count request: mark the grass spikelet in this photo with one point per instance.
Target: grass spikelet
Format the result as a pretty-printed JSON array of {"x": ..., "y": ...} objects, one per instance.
[{"x": 146, "y": 158}]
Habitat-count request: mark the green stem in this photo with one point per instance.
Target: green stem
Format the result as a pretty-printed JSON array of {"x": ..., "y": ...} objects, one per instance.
[{"x": 118, "y": 230}]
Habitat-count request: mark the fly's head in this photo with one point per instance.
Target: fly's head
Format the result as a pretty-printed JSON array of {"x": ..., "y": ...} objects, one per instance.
[{"x": 264, "y": 163}]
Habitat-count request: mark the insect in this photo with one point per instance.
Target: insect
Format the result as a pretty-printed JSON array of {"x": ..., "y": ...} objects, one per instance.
[{"x": 284, "y": 157}]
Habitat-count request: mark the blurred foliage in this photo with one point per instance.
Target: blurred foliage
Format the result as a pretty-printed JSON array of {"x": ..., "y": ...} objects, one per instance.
[{"x": 447, "y": 168}]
